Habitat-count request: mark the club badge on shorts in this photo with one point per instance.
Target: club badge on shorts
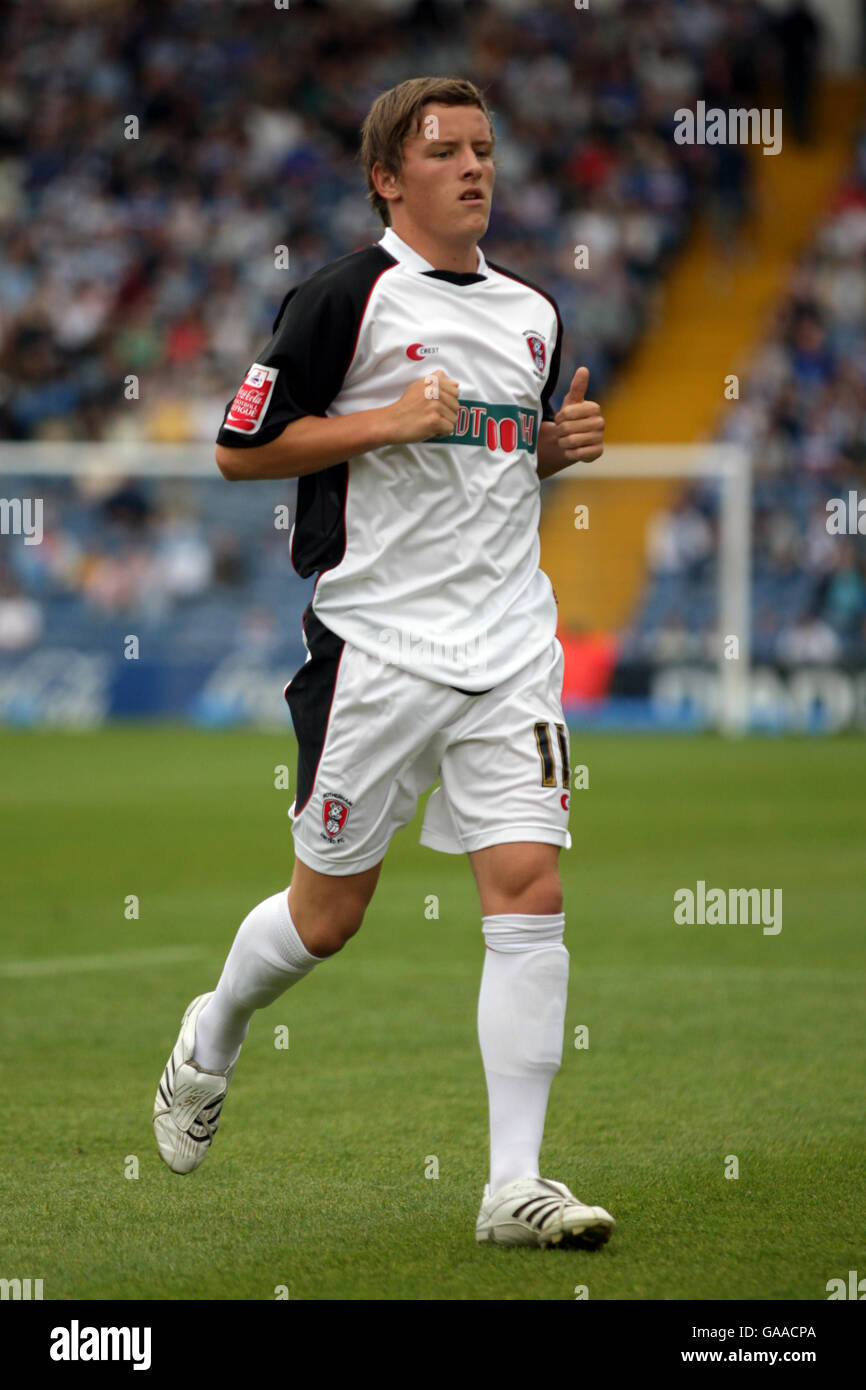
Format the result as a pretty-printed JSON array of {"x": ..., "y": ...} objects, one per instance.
[
  {"x": 247, "y": 410},
  {"x": 335, "y": 813}
]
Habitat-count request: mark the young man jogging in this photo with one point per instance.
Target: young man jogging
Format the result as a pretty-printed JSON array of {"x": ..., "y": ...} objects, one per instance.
[{"x": 407, "y": 386}]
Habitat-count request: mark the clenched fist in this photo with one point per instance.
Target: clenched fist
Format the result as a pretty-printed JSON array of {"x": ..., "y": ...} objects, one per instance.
[
  {"x": 579, "y": 426},
  {"x": 429, "y": 406}
]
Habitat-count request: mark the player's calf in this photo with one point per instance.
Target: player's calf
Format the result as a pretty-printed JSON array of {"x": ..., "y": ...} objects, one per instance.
[{"x": 328, "y": 909}]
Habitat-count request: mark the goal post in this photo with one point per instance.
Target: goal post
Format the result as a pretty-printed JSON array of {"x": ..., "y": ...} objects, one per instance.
[{"x": 731, "y": 466}]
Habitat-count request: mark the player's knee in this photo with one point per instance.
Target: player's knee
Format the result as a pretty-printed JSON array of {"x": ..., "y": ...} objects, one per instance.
[
  {"x": 327, "y": 941},
  {"x": 545, "y": 894},
  {"x": 532, "y": 890},
  {"x": 327, "y": 933}
]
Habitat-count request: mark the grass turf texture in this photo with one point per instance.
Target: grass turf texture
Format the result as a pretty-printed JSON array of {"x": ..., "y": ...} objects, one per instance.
[{"x": 705, "y": 1041}]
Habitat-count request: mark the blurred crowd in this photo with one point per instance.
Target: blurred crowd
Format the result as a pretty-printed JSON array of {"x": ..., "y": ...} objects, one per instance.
[
  {"x": 151, "y": 555},
  {"x": 155, "y": 156}
]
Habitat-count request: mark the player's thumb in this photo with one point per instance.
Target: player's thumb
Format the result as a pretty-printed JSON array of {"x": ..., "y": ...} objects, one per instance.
[{"x": 577, "y": 389}]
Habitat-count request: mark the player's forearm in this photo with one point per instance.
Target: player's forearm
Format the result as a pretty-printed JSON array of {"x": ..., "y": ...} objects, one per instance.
[
  {"x": 551, "y": 458},
  {"x": 307, "y": 446}
]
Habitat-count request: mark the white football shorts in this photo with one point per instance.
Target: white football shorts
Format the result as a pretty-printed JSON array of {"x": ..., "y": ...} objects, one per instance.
[{"x": 373, "y": 737}]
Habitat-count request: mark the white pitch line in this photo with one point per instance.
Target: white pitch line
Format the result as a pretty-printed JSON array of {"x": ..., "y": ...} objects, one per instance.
[{"x": 70, "y": 965}]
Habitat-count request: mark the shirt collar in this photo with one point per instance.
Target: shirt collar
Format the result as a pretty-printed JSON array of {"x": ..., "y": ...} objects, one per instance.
[{"x": 401, "y": 251}]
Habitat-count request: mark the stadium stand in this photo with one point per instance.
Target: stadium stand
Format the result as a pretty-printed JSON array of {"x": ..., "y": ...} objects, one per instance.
[{"x": 149, "y": 249}]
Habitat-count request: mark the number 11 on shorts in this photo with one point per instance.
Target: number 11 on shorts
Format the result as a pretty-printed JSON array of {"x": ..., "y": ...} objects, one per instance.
[{"x": 545, "y": 752}]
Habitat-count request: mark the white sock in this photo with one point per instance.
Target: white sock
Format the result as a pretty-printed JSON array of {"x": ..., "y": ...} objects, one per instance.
[
  {"x": 267, "y": 957},
  {"x": 521, "y": 1017}
]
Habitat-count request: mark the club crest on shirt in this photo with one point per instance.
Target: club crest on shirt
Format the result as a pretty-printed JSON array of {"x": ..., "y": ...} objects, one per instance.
[
  {"x": 537, "y": 349},
  {"x": 335, "y": 813}
]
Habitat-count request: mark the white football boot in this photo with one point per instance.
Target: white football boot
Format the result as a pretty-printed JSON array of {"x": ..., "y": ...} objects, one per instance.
[
  {"x": 536, "y": 1211},
  {"x": 188, "y": 1101}
]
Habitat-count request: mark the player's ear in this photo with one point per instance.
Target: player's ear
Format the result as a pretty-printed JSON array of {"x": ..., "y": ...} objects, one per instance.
[{"x": 385, "y": 182}]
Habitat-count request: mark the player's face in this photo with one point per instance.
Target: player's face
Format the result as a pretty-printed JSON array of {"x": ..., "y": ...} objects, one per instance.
[{"x": 446, "y": 182}]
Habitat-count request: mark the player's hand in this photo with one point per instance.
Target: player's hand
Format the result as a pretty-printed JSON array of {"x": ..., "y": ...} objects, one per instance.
[
  {"x": 427, "y": 407},
  {"x": 579, "y": 426}
]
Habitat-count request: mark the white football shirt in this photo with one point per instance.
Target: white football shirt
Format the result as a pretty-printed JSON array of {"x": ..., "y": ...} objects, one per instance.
[{"x": 427, "y": 554}]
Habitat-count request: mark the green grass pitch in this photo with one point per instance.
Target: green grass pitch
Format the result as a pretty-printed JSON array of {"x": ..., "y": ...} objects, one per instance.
[{"x": 704, "y": 1041}]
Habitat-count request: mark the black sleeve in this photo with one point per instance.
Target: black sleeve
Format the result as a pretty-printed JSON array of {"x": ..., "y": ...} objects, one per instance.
[
  {"x": 301, "y": 370},
  {"x": 547, "y": 411}
]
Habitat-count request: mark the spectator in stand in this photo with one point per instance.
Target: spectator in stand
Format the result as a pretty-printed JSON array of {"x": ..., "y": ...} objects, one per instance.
[
  {"x": 809, "y": 642},
  {"x": 20, "y": 618},
  {"x": 843, "y": 591},
  {"x": 680, "y": 541},
  {"x": 800, "y": 38}
]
